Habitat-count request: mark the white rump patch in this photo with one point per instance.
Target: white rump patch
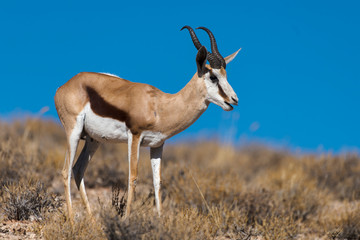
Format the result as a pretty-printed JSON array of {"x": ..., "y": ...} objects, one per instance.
[{"x": 110, "y": 74}]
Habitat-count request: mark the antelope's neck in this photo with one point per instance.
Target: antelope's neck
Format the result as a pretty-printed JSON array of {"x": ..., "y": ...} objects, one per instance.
[{"x": 182, "y": 109}]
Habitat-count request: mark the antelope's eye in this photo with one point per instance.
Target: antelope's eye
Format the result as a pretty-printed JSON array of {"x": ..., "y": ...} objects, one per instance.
[{"x": 214, "y": 79}]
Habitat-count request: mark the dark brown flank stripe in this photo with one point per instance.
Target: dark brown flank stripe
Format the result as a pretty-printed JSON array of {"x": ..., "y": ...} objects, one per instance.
[{"x": 105, "y": 109}]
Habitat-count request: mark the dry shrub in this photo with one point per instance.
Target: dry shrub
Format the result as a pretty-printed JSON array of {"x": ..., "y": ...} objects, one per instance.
[
  {"x": 300, "y": 202},
  {"x": 339, "y": 175},
  {"x": 30, "y": 150},
  {"x": 119, "y": 200},
  {"x": 58, "y": 226},
  {"x": 274, "y": 215},
  {"x": 279, "y": 227},
  {"x": 144, "y": 223},
  {"x": 134, "y": 227},
  {"x": 256, "y": 206},
  {"x": 108, "y": 166},
  {"x": 295, "y": 190},
  {"x": 28, "y": 201},
  {"x": 204, "y": 163},
  {"x": 347, "y": 226},
  {"x": 175, "y": 223}
]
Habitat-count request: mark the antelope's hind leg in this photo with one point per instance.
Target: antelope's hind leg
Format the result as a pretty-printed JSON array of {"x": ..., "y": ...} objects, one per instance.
[
  {"x": 80, "y": 166},
  {"x": 73, "y": 138}
]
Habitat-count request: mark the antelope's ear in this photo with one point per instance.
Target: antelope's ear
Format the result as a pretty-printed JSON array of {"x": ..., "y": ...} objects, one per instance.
[
  {"x": 201, "y": 61},
  {"x": 232, "y": 56}
]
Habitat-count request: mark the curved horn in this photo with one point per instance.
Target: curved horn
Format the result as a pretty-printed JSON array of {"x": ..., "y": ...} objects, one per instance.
[
  {"x": 214, "y": 48},
  {"x": 214, "y": 61},
  {"x": 193, "y": 37}
]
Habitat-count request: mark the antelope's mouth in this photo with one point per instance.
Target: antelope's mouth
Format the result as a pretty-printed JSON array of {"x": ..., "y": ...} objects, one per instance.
[{"x": 231, "y": 107}]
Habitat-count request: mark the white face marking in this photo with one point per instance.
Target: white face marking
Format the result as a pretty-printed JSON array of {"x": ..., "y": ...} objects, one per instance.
[{"x": 213, "y": 89}]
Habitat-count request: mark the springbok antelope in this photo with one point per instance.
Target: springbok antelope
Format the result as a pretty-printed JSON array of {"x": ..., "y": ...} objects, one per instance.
[{"x": 98, "y": 107}]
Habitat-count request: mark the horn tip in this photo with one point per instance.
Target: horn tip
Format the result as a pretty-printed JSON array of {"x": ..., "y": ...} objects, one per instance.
[{"x": 186, "y": 26}]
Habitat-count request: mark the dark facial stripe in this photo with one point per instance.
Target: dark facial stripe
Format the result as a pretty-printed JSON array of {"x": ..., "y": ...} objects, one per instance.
[
  {"x": 223, "y": 94},
  {"x": 103, "y": 108}
]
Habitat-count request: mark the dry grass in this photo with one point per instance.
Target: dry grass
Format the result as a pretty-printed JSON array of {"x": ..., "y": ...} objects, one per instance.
[
  {"x": 26, "y": 201},
  {"x": 209, "y": 191},
  {"x": 57, "y": 226}
]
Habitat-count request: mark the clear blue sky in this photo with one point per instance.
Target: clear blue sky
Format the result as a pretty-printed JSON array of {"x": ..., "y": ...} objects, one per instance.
[{"x": 297, "y": 76}]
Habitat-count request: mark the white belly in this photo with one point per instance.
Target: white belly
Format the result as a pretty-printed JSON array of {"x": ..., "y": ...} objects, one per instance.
[{"x": 105, "y": 129}]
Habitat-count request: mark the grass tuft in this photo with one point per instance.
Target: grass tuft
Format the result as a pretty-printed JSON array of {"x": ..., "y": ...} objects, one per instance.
[{"x": 28, "y": 201}]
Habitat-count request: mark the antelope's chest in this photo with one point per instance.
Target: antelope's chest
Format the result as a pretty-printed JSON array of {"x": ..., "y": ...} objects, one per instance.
[
  {"x": 152, "y": 139},
  {"x": 105, "y": 129}
]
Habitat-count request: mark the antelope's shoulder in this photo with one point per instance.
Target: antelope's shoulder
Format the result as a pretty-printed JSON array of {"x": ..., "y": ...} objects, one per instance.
[{"x": 142, "y": 106}]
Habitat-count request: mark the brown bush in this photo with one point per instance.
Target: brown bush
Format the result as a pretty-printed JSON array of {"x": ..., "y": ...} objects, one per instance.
[
  {"x": 58, "y": 226},
  {"x": 347, "y": 226},
  {"x": 30, "y": 150},
  {"x": 339, "y": 175},
  {"x": 28, "y": 201}
]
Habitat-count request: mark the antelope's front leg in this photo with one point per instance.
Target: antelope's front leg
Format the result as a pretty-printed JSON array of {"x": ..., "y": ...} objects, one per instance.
[
  {"x": 156, "y": 155},
  {"x": 133, "y": 155}
]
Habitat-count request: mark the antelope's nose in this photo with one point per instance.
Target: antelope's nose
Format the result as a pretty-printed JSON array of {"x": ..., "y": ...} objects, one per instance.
[{"x": 235, "y": 101}]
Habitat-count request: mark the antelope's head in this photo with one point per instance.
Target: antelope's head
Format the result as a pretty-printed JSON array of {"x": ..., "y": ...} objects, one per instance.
[{"x": 219, "y": 91}]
